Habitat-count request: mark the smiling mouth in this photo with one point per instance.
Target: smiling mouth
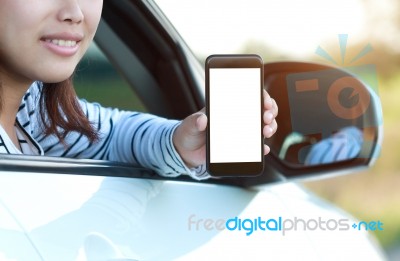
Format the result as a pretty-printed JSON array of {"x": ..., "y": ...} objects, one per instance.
[{"x": 62, "y": 43}]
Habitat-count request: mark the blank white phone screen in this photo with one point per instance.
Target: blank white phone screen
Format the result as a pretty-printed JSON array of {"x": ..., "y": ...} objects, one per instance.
[{"x": 235, "y": 115}]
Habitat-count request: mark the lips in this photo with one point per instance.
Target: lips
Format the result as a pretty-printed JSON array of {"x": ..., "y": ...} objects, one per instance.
[{"x": 62, "y": 44}]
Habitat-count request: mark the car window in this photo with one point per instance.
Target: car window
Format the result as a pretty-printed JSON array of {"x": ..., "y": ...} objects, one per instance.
[{"x": 96, "y": 80}]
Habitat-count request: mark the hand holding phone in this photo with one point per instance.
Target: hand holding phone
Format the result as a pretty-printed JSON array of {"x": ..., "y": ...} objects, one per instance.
[{"x": 234, "y": 96}]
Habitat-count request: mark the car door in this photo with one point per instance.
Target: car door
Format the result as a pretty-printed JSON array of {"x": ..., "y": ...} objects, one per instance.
[{"x": 14, "y": 238}]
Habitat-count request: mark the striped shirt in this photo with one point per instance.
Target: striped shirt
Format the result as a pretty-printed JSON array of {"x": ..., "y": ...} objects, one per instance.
[{"x": 131, "y": 137}]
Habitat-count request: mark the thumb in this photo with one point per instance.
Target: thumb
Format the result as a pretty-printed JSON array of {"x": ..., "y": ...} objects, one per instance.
[
  {"x": 190, "y": 134},
  {"x": 195, "y": 124},
  {"x": 201, "y": 122}
]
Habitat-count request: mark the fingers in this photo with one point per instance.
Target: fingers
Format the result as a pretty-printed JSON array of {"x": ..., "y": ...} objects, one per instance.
[
  {"x": 267, "y": 100},
  {"x": 270, "y": 113},
  {"x": 270, "y": 104},
  {"x": 274, "y": 108},
  {"x": 270, "y": 129},
  {"x": 266, "y": 149},
  {"x": 268, "y": 117}
]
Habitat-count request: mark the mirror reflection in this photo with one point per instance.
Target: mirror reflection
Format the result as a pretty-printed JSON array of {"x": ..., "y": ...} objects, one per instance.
[{"x": 322, "y": 114}]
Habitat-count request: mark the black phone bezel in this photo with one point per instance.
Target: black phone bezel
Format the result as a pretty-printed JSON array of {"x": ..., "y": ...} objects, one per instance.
[{"x": 234, "y": 169}]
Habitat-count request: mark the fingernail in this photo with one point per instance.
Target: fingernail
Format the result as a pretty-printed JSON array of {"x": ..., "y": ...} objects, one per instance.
[
  {"x": 199, "y": 121},
  {"x": 268, "y": 101},
  {"x": 269, "y": 132},
  {"x": 267, "y": 149},
  {"x": 268, "y": 117}
]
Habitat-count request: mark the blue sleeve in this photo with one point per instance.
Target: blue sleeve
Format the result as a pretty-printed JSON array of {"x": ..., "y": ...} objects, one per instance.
[
  {"x": 131, "y": 137},
  {"x": 343, "y": 145}
]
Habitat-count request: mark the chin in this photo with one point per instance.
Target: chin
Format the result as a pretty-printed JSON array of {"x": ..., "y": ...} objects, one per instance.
[
  {"x": 56, "y": 77},
  {"x": 54, "y": 70}
]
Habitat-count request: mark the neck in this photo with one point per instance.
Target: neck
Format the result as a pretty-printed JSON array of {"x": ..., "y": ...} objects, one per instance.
[{"x": 12, "y": 91}]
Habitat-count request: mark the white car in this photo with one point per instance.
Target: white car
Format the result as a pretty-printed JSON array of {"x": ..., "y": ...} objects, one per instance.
[{"x": 81, "y": 209}]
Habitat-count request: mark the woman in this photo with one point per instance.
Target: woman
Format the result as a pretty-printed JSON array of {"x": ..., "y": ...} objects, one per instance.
[{"x": 41, "y": 43}]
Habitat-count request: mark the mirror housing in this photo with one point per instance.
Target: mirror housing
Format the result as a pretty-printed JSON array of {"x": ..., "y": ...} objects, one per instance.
[{"x": 329, "y": 122}]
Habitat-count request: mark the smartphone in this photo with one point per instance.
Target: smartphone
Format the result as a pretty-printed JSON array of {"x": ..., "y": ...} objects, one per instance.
[{"x": 234, "y": 107}]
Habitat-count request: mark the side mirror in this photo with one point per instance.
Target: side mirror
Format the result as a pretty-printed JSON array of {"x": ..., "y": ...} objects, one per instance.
[{"x": 329, "y": 120}]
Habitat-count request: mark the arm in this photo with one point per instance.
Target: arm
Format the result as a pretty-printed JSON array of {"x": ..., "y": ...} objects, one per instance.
[{"x": 130, "y": 137}]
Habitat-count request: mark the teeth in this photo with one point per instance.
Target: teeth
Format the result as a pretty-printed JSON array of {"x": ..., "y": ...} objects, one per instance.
[{"x": 64, "y": 43}]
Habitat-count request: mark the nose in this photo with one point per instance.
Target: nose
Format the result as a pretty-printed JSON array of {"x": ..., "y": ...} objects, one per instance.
[{"x": 70, "y": 11}]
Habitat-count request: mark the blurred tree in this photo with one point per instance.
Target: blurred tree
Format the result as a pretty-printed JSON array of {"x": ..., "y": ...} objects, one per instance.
[{"x": 384, "y": 34}]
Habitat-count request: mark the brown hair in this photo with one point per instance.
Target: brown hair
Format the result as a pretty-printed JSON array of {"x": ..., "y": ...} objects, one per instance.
[{"x": 61, "y": 113}]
